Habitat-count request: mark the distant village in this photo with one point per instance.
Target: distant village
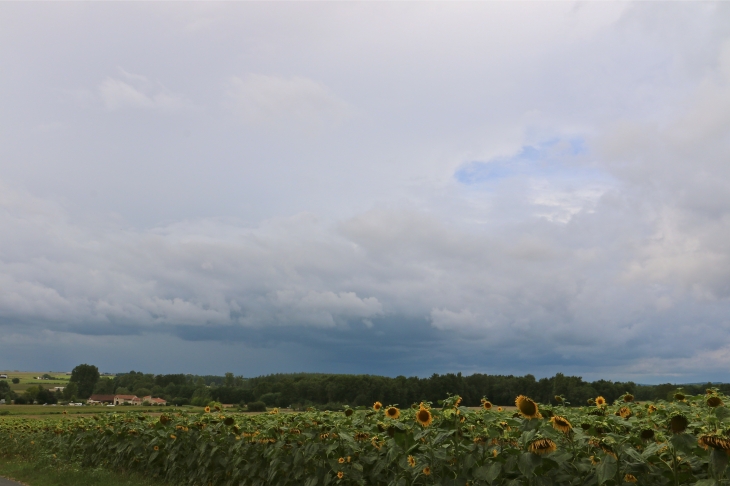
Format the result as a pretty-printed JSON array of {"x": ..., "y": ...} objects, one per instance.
[{"x": 124, "y": 400}]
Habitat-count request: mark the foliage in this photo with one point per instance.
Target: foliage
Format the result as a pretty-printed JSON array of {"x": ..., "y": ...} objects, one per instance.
[
  {"x": 5, "y": 391},
  {"x": 256, "y": 407},
  {"x": 45, "y": 470},
  {"x": 85, "y": 376},
  {"x": 664, "y": 443}
]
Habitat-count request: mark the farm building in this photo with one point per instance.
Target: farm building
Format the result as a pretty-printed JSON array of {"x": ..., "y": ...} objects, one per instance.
[
  {"x": 154, "y": 401},
  {"x": 130, "y": 399},
  {"x": 100, "y": 399}
]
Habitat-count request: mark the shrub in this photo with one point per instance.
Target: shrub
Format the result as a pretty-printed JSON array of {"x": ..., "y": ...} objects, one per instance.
[
  {"x": 270, "y": 399},
  {"x": 16, "y": 381},
  {"x": 256, "y": 407}
]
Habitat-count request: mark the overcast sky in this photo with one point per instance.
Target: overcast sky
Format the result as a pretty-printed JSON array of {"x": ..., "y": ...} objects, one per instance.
[{"x": 384, "y": 188}]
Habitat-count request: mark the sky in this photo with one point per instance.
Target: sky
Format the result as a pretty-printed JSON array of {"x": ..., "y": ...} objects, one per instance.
[{"x": 383, "y": 188}]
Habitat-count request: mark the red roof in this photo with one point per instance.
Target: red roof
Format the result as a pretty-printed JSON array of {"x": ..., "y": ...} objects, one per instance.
[
  {"x": 126, "y": 397},
  {"x": 102, "y": 398}
]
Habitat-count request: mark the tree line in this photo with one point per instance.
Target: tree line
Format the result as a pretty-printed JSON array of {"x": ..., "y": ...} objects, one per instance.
[{"x": 301, "y": 390}]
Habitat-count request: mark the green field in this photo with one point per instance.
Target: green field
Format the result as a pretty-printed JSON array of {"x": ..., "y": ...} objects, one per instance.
[
  {"x": 28, "y": 379},
  {"x": 662, "y": 443}
]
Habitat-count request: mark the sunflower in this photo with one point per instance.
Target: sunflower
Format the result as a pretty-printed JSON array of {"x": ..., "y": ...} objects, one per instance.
[
  {"x": 340, "y": 474},
  {"x": 707, "y": 441},
  {"x": 207, "y": 409},
  {"x": 229, "y": 421},
  {"x": 157, "y": 448},
  {"x": 527, "y": 407},
  {"x": 600, "y": 401},
  {"x": 411, "y": 461},
  {"x": 647, "y": 434},
  {"x": 628, "y": 398},
  {"x": 486, "y": 405},
  {"x": 424, "y": 417},
  {"x": 679, "y": 396},
  {"x": 341, "y": 460},
  {"x": 624, "y": 412},
  {"x": 630, "y": 478},
  {"x": 164, "y": 419},
  {"x": 274, "y": 411},
  {"x": 678, "y": 423},
  {"x": 392, "y": 412},
  {"x": 500, "y": 409},
  {"x": 348, "y": 412},
  {"x": 426, "y": 471},
  {"x": 558, "y": 399},
  {"x": 173, "y": 436},
  {"x": 542, "y": 446},
  {"x": 714, "y": 401},
  {"x": 651, "y": 409},
  {"x": 377, "y": 406},
  {"x": 561, "y": 423}
]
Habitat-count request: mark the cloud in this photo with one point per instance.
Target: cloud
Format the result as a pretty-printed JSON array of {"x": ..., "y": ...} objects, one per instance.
[
  {"x": 137, "y": 92},
  {"x": 269, "y": 100}
]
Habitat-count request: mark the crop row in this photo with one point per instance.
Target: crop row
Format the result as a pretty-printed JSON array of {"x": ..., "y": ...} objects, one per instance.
[{"x": 662, "y": 443}]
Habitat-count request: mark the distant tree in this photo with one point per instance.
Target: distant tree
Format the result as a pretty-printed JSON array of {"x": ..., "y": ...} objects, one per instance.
[
  {"x": 5, "y": 391},
  {"x": 104, "y": 386},
  {"x": 142, "y": 392},
  {"x": 230, "y": 379},
  {"x": 85, "y": 376},
  {"x": 71, "y": 391},
  {"x": 16, "y": 381}
]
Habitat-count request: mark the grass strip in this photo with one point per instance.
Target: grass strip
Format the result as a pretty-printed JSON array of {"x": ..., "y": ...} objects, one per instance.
[{"x": 40, "y": 472}]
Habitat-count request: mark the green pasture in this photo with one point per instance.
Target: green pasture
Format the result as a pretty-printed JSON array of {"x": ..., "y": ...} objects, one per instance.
[{"x": 42, "y": 410}]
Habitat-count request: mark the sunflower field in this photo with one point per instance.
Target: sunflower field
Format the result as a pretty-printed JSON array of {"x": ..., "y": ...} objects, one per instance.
[{"x": 662, "y": 443}]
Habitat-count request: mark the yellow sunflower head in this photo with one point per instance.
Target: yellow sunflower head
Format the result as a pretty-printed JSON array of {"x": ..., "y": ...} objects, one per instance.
[
  {"x": 708, "y": 441},
  {"x": 500, "y": 409},
  {"x": 426, "y": 471},
  {"x": 424, "y": 417},
  {"x": 340, "y": 474},
  {"x": 600, "y": 402},
  {"x": 392, "y": 412},
  {"x": 487, "y": 405},
  {"x": 542, "y": 446},
  {"x": 624, "y": 412},
  {"x": 561, "y": 423},
  {"x": 628, "y": 398},
  {"x": 527, "y": 407},
  {"x": 157, "y": 448},
  {"x": 377, "y": 406},
  {"x": 411, "y": 461},
  {"x": 630, "y": 478},
  {"x": 207, "y": 409},
  {"x": 558, "y": 399}
]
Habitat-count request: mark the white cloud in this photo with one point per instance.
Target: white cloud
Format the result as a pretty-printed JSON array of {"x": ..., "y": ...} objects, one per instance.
[
  {"x": 137, "y": 92},
  {"x": 270, "y": 100}
]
